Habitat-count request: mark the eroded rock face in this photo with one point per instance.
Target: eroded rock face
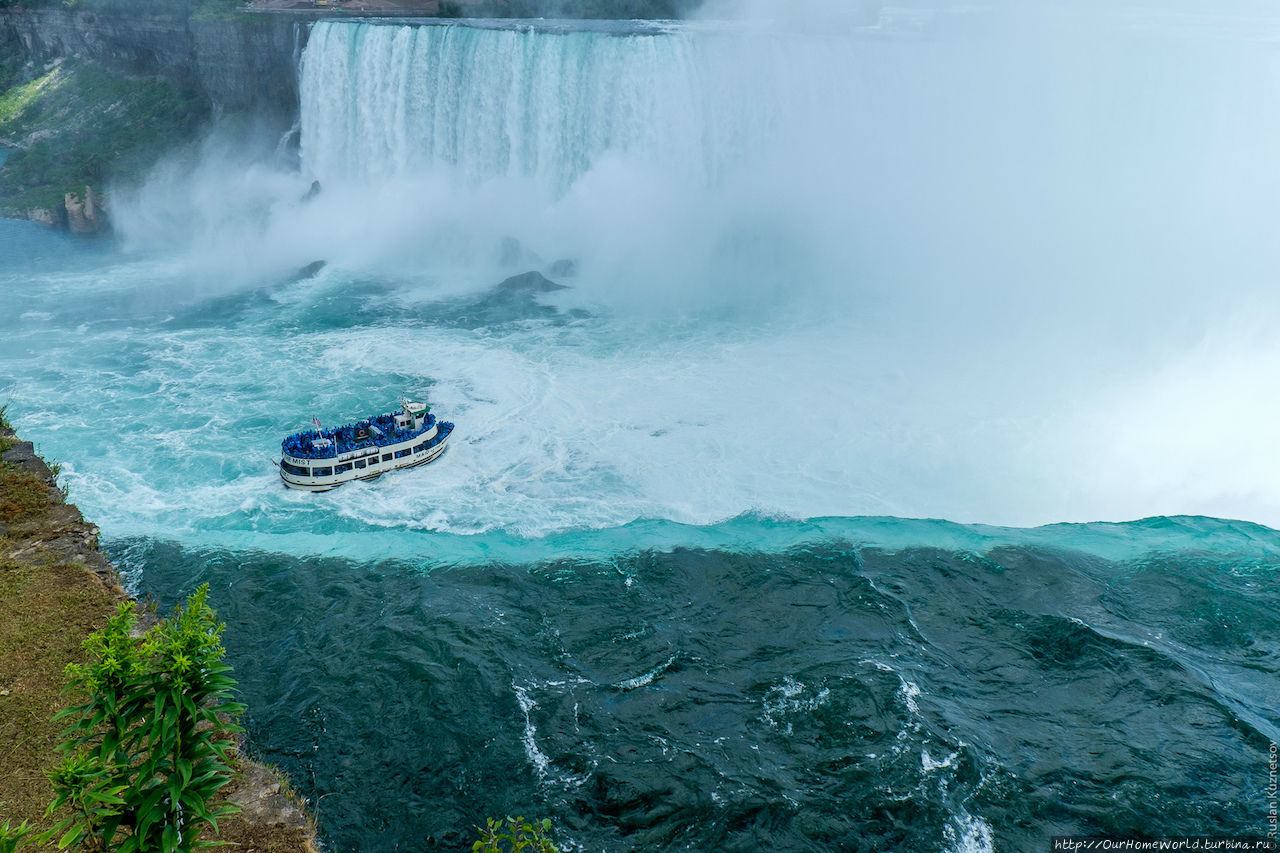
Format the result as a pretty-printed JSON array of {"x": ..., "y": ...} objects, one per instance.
[
  {"x": 245, "y": 63},
  {"x": 60, "y": 533},
  {"x": 44, "y": 216},
  {"x": 78, "y": 215},
  {"x": 84, "y": 217}
]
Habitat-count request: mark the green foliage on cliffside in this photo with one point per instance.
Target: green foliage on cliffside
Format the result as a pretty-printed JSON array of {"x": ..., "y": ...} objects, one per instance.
[
  {"x": 79, "y": 125},
  {"x": 514, "y": 835},
  {"x": 10, "y": 66},
  {"x": 18, "y": 100},
  {"x": 150, "y": 744}
]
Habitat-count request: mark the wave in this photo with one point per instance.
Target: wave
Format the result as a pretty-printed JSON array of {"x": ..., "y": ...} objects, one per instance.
[{"x": 825, "y": 695}]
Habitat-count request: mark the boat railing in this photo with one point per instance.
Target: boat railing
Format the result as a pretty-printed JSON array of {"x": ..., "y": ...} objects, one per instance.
[{"x": 331, "y": 443}]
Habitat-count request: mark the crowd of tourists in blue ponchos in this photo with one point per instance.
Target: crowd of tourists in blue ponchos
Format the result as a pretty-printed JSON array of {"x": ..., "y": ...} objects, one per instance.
[{"x": 378, "y": 431}]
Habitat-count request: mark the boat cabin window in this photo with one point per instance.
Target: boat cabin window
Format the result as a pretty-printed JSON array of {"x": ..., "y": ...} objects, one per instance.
[
  {"x": 295, "y": 470},
  {"x": 420, "y": 447},
  {"x": 400, "y": 454},
  {"x": 386, "y": 457},
  {"x": 338, "y": 469},
  {"x": 322, "y": 472},
  {"x": 360, "y": 463}
]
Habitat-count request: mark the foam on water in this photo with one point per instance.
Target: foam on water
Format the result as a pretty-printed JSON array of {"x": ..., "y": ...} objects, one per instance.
[
  {"x": 585, "y": 433},
  {"x": 970, "y": 834},
  {"x": 537, "y": 758},
  {"x": 588, "y": 424},
  {"x": 835, "y": 272}
]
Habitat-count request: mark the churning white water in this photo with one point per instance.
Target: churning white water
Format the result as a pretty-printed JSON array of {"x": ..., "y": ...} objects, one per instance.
[{"x": 1008, "y": 264}]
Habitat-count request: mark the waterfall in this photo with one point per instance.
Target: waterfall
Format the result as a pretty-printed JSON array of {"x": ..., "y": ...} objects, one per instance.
[
  {"x": 644, "y": 152},
  {"x": 548, "y": 104},
  {"x": 972, "y": 150},
  {"x": 385, "y": 100}
]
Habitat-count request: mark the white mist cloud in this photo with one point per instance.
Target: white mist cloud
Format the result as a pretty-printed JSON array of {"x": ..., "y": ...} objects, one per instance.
[
  {"x": 216, "y": 204},
  {"x": 815, "y": 15},
  {"x": 1020, "y": 234}
]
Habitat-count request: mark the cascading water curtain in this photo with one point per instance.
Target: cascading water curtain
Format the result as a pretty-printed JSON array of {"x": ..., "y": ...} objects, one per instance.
[{"x": 380, "y": 100}]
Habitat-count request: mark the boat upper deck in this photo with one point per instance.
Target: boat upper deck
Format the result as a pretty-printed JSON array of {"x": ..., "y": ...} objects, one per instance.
[{"x": 378, "y": 431}]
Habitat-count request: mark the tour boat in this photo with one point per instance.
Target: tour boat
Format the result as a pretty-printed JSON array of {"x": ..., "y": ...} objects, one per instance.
[{"x": 321, "y": 459}]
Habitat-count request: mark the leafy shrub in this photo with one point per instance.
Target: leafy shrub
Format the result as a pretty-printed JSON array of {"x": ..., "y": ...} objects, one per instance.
[
  {"x": 148, "y": 749},
  {"x": 11, "y": 836},
  {"x": 514, "y": 835}
]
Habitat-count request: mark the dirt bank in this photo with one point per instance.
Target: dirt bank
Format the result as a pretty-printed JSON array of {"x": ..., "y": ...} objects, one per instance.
[{"x": 56, "y": 588}]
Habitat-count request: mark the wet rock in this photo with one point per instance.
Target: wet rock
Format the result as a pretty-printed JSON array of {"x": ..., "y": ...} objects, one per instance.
[
  {"x": 22, "y": 454},
  {"x": 529, "y": 282},
  {"x": 83, "y": 217},
  {"x": 308, "y": 271},
  {"x": 43, "y": 215}
]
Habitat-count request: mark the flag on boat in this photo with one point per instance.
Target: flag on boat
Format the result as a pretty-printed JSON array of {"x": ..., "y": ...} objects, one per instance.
[{"x": 316, "y": 421}]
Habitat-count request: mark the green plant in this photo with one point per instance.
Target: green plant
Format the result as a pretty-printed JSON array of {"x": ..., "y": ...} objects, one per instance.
[
  {"x": 514, "y": 835},
  {"x": 85, "y": 786},
  {"x": 11, "y": 836},
  {"x": 6, "y": 440},
  {"x": 148, "y": 749},
  {"x": 55, "y": 470}
]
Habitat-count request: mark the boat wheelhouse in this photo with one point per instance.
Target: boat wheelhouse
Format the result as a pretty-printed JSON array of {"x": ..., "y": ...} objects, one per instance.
[{"x": 321, "y": 459}]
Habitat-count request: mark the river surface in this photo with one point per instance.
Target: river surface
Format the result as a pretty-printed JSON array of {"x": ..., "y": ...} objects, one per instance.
[{"x": 852, "y": 422}]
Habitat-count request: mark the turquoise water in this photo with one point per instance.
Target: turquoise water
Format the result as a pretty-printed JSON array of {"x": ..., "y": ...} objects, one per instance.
[{"x": 855, "y": 471}]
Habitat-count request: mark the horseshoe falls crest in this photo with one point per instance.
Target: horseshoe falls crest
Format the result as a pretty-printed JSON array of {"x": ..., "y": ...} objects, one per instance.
[{"x": 864, "y": 423}]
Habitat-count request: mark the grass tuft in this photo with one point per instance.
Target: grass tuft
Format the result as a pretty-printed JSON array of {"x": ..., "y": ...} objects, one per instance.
[
  {"x": 46, "y": 611},
  {"x": 23, "y": 496}
]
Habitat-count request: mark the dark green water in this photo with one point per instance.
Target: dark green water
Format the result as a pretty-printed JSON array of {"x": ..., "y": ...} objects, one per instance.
[{"x": 824, "y": 697}]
